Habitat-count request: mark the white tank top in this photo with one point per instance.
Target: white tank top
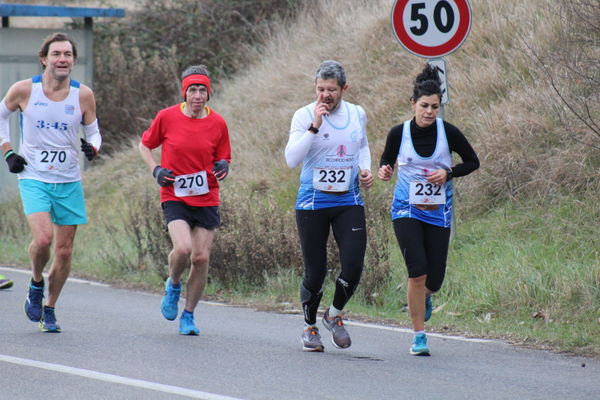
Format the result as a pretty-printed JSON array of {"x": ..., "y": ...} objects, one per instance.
[
  {"x": 50, "y": 136},
  {"x": 414, "y": 168}
]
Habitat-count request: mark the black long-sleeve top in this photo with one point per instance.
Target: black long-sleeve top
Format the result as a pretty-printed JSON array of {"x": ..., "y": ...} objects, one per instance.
[{"x": 424, "y": 140}]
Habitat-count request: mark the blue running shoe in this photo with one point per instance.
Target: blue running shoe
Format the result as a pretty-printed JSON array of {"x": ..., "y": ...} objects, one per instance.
[
  {"x": 168, "y": 305},
  {"x": 5, "y": 283},
  {"x": 48, "y": 323},
  {"x": 428, "y": 307},
  {"x": 33, "y": 303},
  {"x": 186, "y": 324},
  {"x": 419, "y": 345}
]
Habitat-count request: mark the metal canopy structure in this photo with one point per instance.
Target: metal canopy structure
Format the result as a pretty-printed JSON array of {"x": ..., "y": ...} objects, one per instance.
[
  {"x": 26, "y": 10},
  {"x": 19, "y": 60}
]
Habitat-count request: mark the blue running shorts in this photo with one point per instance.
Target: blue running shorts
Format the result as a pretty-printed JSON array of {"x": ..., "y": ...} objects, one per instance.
[{"x": 64, "y": 201}]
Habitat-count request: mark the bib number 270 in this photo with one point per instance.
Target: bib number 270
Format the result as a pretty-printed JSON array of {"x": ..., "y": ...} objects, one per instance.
[
  {"x": 51, "y": 159},
  {"x": 191, "y": 184}
]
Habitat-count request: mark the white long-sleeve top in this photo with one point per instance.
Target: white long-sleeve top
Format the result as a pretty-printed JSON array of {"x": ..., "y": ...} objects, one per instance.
[{"x": 331, "y": 159}]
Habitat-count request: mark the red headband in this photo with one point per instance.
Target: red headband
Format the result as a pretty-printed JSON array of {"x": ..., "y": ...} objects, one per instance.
[{"x": 195, "y": 79}]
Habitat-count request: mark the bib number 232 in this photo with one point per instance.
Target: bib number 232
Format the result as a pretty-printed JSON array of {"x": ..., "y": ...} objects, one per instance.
[
  {"x": 427, "y": 193},
  {"x": 332, "y": 179},
  {"x": 191, "y": 184}
]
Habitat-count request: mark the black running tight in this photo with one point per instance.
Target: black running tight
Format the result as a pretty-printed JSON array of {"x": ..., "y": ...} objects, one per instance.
[
  {"x": 349, "y": 231},
  {"x": 424, "y": 248}
]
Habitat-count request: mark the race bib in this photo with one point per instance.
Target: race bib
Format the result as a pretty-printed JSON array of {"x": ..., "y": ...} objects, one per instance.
[
  {"x": 332, "y": 179},
  {"x": 427, "y": 193},
  {"x": 191, "y": 184},
  {"x": 52, "y": 159}
]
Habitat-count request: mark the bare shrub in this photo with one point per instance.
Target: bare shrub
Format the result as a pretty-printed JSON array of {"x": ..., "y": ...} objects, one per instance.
[
  {"x": 14, "y": 224},
  {"x": 138, "y": 60},
  {"x": 138, "y": 241},
  {"x": 257, "y": 237},
  {"x": 573, "y": 69}
]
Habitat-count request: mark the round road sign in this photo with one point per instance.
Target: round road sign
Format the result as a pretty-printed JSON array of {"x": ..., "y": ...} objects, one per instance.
[{"x": 431, "y": 28}]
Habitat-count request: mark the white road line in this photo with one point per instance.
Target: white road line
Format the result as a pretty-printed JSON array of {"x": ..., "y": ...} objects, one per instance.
[
  {"x": 28, "y": 272},
  {"x": 355, "y": 323},
  {"x": 86, "y": 373},
  {"x": 407, "y": 330}
]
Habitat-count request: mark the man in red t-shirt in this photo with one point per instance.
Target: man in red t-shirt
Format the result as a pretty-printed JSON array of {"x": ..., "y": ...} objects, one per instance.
[{"x": 195, "y": 156}]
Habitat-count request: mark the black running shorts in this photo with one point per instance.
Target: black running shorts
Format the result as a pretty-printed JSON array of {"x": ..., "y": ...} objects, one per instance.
[{"x": 205, "y": 217}]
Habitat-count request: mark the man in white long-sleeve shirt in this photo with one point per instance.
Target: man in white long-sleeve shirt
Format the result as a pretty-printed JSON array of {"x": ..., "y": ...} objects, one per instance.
[
  {"x": 329, "y": 138},
  {"x": 53, "y": 108}
]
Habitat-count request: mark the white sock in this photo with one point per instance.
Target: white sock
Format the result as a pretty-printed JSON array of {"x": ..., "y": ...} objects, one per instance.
[
  {"x": 334, "y": 312},
  {"x": 306, "y": 326},
  {"x": 419, "y": 332}
]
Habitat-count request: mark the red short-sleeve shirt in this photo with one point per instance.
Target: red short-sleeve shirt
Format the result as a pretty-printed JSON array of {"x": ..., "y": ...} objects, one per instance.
[{"x": 189, "y": 145}]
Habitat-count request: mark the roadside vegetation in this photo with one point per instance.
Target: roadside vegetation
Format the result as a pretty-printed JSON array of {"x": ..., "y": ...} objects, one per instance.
[{"x": 524, "y": 262}]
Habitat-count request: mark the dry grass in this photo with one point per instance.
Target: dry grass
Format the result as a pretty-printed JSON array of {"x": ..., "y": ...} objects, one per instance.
[{"x": 498, "y": 98}]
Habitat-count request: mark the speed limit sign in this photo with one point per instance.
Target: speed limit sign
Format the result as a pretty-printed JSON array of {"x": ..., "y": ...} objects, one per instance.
[{"x": 431, "y": 28}]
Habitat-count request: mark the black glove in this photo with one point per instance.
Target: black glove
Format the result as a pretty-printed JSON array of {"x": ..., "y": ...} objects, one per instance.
[
  {"x": 163, "y": 176},
  {"x": 15, "y": 162},
  {"x": 220, "y": 169},
  {"x": 89, "y": 150}
]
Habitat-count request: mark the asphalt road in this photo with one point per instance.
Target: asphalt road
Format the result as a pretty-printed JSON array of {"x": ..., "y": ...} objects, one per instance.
[{"x": 115, "y": 344}]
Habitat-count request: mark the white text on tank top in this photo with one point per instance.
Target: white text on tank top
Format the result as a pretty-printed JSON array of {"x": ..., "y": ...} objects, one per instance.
[
  {"x": 334, "y": 168},
  {"x": 413, "y": 169},
  {"x": 49, "y": 136}
]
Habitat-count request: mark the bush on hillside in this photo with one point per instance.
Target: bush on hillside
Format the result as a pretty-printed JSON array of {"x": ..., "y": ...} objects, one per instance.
[
  {"x": 139, "y": 60},
  {"x": 576, "y": 79}
]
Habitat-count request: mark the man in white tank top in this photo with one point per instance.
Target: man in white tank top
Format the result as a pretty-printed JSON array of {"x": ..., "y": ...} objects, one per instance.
[{"x": 53, "y": 107}]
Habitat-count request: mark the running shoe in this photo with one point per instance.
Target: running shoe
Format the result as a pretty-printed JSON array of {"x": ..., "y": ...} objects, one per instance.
[
  {"x": 48, "y": 322},
  {"x": 311, "y": 340},
  {"x": 428, "y": 307},
  {"x": 33, "y": 303},
  {"x": 339, "y": 334},
  {"x": 5, "y": 283},
  {"x": 168, "y": 305},
  {"x": 419, "y": 345},
  {"x": 186, "y": 324}
]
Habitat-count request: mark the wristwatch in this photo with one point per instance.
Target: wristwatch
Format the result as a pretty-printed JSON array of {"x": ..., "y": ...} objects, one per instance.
[
  {"x": 313, "y": 129},
  {"x": 449, "y": 173}
]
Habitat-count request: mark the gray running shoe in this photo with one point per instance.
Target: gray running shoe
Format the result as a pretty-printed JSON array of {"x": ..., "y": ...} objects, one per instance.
[
  {"x": 311, "y": 340},
  {"x": 339, "y": 334}
]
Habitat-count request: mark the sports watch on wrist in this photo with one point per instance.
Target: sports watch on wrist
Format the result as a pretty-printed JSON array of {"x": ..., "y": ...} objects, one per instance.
[
  {"x": 313, "y": 129},
  {"x": 449, "y": 174}
]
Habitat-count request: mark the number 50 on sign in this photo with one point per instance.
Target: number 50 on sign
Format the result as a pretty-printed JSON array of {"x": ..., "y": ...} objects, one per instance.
[{"x": 431, "y": 28}]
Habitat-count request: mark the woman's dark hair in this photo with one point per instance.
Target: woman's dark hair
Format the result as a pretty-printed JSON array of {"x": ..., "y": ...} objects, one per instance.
[{"x": 427, "y": 83}]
